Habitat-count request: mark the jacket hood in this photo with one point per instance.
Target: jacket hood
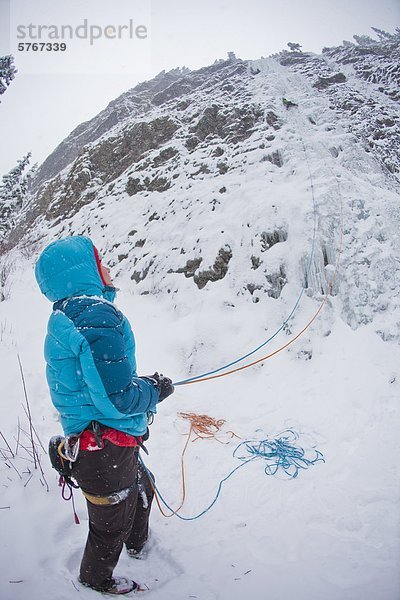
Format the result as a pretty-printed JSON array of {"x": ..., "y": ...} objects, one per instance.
[{"x": 68, "y": 268}]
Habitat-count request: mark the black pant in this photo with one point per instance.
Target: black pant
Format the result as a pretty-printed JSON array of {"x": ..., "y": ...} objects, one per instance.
[{"x": 102, "y": 472}]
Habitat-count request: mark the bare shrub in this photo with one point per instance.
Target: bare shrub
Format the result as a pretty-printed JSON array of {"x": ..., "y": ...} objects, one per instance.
[{"x": 6, "y": 268}]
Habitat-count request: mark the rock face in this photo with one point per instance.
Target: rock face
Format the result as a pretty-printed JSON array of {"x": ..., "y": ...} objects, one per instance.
[
  {"x": 128, "y": 106},
  {"x": 203, "y": 180},
  {"x": 324, "y": 82},
  {"x": 216, "y": 272}
]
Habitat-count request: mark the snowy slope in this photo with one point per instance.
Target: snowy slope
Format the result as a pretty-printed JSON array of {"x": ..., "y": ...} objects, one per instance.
[
  {"x": 212, "y": 243},
  {"x": 215, "y": 142}
]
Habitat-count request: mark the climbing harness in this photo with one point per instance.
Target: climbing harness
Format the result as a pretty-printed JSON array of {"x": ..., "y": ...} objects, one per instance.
[{"x": 111, "y": 499}]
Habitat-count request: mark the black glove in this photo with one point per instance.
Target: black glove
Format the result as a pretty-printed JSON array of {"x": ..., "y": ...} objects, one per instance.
[{"x": 162, "y": 384}]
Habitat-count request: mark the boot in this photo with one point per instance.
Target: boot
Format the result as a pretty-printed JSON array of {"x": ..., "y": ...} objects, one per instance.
[{"x": 115, "y": 586}]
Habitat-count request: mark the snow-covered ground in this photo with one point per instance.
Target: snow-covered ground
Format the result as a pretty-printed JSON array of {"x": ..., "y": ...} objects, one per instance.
[{"x": 331, "y": 533}]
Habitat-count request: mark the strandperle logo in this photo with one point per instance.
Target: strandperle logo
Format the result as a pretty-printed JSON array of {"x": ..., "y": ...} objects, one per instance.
[{"x": 85, "y": 31}]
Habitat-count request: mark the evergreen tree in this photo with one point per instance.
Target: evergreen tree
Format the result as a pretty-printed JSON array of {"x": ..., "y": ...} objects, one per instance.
[
  {"x": 364, "y": 40},
  {"x": 294, "y": 47},
  {"x": 7, "y": 72},
  {"x": 383, "y": 36},
  {"x": 12, "y": 194}
]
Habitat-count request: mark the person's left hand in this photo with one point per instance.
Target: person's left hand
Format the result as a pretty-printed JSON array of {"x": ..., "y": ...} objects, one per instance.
[{"x": 163, "y": 385}]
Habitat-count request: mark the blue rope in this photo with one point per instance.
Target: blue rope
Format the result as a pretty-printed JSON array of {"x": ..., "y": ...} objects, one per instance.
[
  {"x": 310, "y": 260},
  {"x": 279, "y": 452},
  {"x": 208, "y": 507}
]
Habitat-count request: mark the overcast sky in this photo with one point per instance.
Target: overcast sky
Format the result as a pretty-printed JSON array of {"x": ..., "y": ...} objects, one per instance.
[{"x": 55, "y": 91}]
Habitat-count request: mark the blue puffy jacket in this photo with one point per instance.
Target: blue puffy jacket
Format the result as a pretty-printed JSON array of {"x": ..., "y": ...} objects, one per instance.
[{"x": 89, "y": 347}]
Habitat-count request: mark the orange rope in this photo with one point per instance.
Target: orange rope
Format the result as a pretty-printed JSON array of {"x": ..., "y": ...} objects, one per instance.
[
  {"x": 183, "y": 483},
  {"x": 204, "y": 427}
]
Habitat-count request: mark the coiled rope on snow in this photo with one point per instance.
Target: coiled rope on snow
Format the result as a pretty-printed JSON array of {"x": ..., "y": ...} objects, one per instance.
[{"x": 280, "y": 453}]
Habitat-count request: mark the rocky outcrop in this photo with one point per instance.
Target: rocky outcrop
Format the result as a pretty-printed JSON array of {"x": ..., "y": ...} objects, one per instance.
[
  {"x": 234, "y": 124},
  {"x": 324, "y": 82},
  {"x": 103, "y": 162},
  {"x": 218, "y": 270}
]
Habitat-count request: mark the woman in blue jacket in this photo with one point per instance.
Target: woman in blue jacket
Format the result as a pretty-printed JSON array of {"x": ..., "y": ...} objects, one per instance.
[{"x": 91, "y": 373}]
